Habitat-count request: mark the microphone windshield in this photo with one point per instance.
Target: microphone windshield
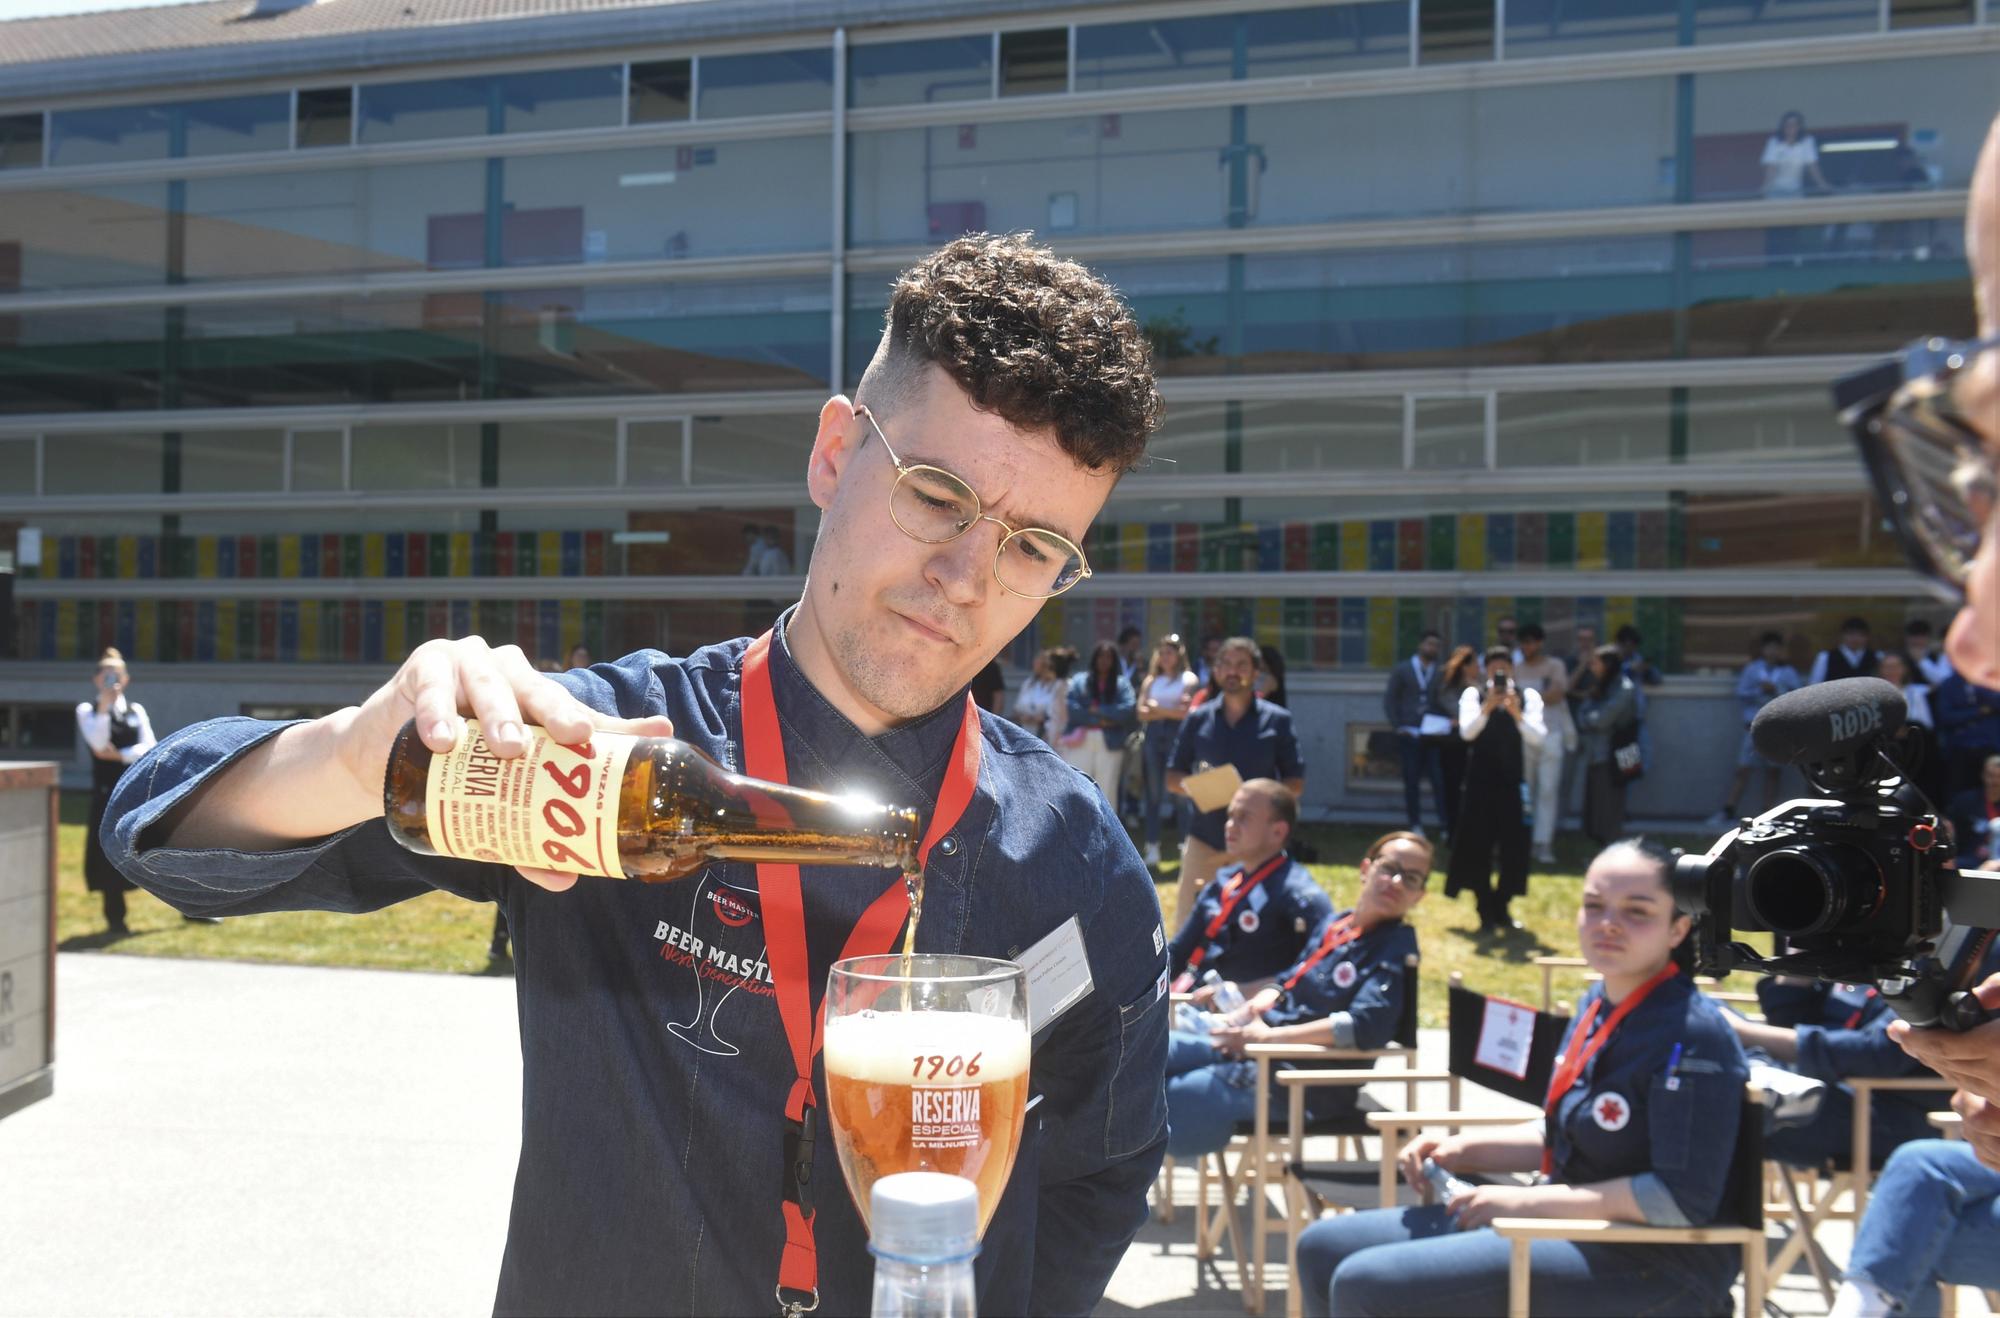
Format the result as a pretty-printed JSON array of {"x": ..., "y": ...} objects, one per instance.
[{"x": 1829, "y": 721}]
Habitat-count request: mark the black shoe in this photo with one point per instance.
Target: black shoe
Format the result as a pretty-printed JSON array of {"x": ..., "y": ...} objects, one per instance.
[{"x": 119, "y": 930}]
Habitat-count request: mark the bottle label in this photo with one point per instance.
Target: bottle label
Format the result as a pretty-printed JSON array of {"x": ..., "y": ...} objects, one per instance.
[{"x": 555, "y": 807}]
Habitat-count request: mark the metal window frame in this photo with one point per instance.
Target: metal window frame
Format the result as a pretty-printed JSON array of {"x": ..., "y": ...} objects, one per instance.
[
  {"x": 654, "y": 494},
  {"x": 346, "y": 433}
]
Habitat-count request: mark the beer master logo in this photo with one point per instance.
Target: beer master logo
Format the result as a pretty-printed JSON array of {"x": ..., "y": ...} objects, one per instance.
[{"x": 721, "y": 944}]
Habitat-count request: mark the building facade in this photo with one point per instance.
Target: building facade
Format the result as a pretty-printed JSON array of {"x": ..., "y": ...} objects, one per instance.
[{"x": 329, "y": 327}]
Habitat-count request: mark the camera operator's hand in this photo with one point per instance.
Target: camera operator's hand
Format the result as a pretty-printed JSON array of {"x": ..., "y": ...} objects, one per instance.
[{"x": 1970, "y": 1062}]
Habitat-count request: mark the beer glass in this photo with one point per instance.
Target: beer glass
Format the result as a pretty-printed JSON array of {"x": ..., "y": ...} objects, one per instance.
[{"x": 927, "y": 1069}]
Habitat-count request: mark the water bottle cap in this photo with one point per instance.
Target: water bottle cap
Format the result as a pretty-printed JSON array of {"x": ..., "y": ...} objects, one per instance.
[{"x": 924, "y": 1217}]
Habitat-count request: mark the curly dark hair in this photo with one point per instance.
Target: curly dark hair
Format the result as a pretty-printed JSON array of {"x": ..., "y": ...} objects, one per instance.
[{"x": 1036, "y": 339}]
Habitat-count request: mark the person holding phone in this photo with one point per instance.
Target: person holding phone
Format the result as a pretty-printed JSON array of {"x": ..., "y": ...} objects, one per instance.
[{"x": 117, "y": 732}]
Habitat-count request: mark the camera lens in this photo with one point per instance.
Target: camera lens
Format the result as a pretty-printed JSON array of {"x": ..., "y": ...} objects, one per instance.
[
  {"x": 1692, "y": 877},
  {"x": 1805, "y": 890}
]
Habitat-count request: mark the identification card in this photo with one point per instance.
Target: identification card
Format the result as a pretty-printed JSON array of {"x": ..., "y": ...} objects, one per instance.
[
  {"x": 1506, "y": 1037},
  {"x": 1058, "y": 973}
]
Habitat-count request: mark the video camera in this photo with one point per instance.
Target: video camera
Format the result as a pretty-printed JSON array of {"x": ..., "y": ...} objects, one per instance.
[{"x": 1859, "y": 884}]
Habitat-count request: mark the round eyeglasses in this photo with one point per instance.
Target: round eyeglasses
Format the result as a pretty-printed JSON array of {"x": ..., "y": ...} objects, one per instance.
[
  {"x": 1926, "y": 454},
  {"x": 932, "y": 505}
]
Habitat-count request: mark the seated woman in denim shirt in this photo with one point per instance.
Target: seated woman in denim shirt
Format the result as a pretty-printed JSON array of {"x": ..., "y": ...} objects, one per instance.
[
  {"x": 1345, "y": 991},
  {"x": 1641, "y": 1127}
]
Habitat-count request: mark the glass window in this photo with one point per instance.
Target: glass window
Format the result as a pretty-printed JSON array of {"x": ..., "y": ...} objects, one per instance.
[
  {"x": 1826, "y": 288},
  {"x": 416, "y": 457},
  {"x": 1267, "y": 44},
  {"x": 326, "y": 116},
  {"x": 752, "y": 450},
  {"x": 342, "y": 221},
  {"x": 921, "y": 72},
  {"x": 1781, "y": 423},
  {"x": 317, "y": 459},
  {"x": 96, "y": 360},
  {"x": 654, "y": 451},
  {"x": 1563, "y": 27},
  {"x": 323, "y": 351},
  {"x": 532, "y": 102},
  {"x": 537, "y": 455},
  {"x": 650, "y": 203},
  {"x": 1763, "y": 529},
  {"x": 223, "y": 126},
  {"x": 21, "y": 141},
  {"x": 86, "y": 237},
  {"x": 781, "y": 82},
  {"x": 1317, "y": 435},
  {"x": 1035, "y": 62},
  {"x": 17, "y": 465},
  {"x": 1455, "y": 31},
  {"x": 664, "y": 338},
  {"x": 1450, "y": 432},
  {"x": 223, "y": 461},
  {"x": 1883, "y": 126},
  {"x": 661, "y": 92},
  {"x": 1584, "y": 428},
  {"x": 102, "y": 464},
  {"x": 1929, "y": 13},
  {"x": 1720, "y": 635}
]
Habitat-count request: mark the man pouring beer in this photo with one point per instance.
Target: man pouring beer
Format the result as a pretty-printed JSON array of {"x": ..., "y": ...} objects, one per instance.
[{"x": 668, "y": 1157}]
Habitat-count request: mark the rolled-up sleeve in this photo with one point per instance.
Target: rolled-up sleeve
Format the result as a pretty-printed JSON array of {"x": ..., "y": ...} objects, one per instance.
[
  {"x": 1692, "y": 1132},
  {"x": 360, "y": 869}
]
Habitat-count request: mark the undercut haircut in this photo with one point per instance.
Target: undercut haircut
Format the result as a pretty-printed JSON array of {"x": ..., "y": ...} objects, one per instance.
[{"x": 1037, "y": 340}]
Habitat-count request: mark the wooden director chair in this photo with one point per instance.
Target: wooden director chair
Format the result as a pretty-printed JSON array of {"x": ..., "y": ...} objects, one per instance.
[
  {"x": 1313, "y": 1188},
  {"x": 1743, "y": 1225},
  {"x": 1255, "y": 1159},
  {"x": 1549, "y": 965}
]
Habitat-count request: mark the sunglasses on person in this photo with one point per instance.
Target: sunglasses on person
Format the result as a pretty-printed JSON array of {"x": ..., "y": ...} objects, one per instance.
[{"x": 1926, "y": 455}]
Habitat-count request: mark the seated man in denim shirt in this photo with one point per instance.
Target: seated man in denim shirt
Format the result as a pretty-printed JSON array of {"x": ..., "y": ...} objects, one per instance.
[
  {"x": 654, "y": 1174},
  {"x": 1251, "y": 922}
]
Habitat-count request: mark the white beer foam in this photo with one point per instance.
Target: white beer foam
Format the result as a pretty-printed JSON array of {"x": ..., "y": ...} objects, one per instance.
[{"x": 882, "y": 1047}]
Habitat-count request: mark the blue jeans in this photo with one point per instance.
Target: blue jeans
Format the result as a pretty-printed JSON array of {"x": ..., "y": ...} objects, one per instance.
[
  {"x": 1395, "y": 1261},
  {"x": 1207, "y": 1094},
  {"x": 1932, "y": 1216},
  {"x": 1420, "y": 760},
  {"x": 1159, "y": 749}
]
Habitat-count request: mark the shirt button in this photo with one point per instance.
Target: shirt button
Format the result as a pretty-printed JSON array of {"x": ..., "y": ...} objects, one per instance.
[{"x": 948, "y": 844}]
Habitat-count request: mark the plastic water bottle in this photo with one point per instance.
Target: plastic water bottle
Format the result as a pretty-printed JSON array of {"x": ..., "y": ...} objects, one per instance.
[
  {"x": 925, "y": 1235},
  {"x": 1228, "y": 999}
]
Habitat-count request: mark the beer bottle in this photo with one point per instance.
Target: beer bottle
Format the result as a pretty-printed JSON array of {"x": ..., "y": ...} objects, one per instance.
[{"x": 649, "y": 808}]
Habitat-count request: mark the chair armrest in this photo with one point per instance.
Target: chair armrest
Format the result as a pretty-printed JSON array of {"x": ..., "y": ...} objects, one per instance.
[
  {"x": 1560, "y": 962},
  {"x": 1949, "y": 1124},
  {"x": 1895, "y": 1083},
  {"x": 1310, "y": 1079},
  {"x": 1318, "y": 1052},
  {"x": 1176, "y": 999},
  {"x": 1393, "y": 1120},
  {"x": 1599, "y": 1231}
]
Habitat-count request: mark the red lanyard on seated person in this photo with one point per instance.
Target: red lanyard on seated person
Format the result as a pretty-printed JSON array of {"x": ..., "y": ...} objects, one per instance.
[
  {"x": 785, "y": 931},
  {"x": 1584, "y": 1046},
  {"x": 1338, "y": 935},
  {"x": 1241, "y": 884}
]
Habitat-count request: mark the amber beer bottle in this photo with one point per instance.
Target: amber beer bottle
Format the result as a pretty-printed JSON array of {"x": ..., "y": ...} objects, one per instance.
[{"x": 649, "y": 808}]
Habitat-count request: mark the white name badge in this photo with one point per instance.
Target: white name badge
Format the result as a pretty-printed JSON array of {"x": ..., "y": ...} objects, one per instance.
[
  {"x": 1506, "y": 1037},
  {"x": 1058, "y": 973}
]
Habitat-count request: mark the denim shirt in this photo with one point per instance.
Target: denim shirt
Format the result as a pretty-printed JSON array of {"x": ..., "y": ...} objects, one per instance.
[
  {"x": 1266, "y": 932},
  {"x": 1843, "y": 1030},
  {"x": 653, "y": 1090},
  {"x": 1674, "y": 1135},
  {"x": 1364, "y": 981}
]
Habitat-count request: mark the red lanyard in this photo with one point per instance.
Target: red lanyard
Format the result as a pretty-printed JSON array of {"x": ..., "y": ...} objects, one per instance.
[
  {"x": 1584, "y": 1046},
  {"x": 1338, "y": 935},
  {"x": 1241, "y": 884},
  {"x": 1861, "y": 1010},
  {"x": 785, "y": 931}
]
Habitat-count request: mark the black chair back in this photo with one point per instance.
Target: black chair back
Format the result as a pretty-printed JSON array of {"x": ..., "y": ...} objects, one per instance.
[
  {"x": 1406, "y": 1026},
  {"x": 1467, "y": 1014},
  {"x": 1745, "y": 1204}
]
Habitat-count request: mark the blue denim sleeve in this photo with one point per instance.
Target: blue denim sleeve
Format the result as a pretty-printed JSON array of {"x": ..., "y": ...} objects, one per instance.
[
  {"x": 1104, "y": 1076},
  {"x": 361, "y": 869},
  {"x": 1788, "y": 1004},
  {"x": 1377, "y": 1004},
  {"x": 1290, "y": 765},
  {"x": 1827, "y": 1052},
  {"x": 1691, "y": 1128}
]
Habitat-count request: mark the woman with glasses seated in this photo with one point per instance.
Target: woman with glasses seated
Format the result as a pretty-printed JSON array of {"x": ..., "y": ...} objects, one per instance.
[
  {"x": 1640, "y": 1126},
  {"x": 1345, "y": 991}
]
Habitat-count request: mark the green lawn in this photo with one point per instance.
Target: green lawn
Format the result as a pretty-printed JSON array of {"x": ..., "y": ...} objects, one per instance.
[{"x": 439, "y": 932}]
